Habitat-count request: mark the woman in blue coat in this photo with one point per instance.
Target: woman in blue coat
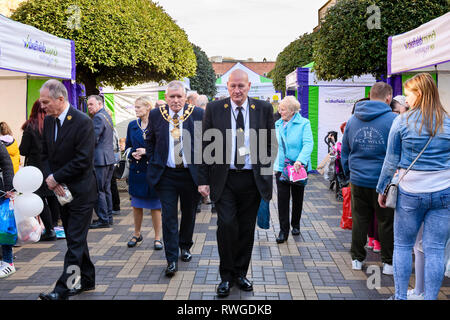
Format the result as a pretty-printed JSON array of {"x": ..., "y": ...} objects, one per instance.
[
  {"x": 142, "y": 195},
  {"x": 295, "y": 142}
]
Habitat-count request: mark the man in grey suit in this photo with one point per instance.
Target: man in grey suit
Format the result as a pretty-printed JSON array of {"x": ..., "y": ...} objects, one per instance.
[{"x": 103, "y": 160}]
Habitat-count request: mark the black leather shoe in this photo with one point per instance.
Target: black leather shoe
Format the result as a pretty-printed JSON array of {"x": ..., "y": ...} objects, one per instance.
[
  {"x": 74, "y": 292},
  {"x": 99, "y": 225},
  {"x": 48, "y": 236},
  {"x": 282, "y": 237},
  {"x": 171, "y": 269},
  {"x": 295, "y": 231},
  {"x": 186, "y": 256},
  {"x": 223, "y": 290},
  {"x": 52, "y": 296},
  {"x": 244, "y": 284}
]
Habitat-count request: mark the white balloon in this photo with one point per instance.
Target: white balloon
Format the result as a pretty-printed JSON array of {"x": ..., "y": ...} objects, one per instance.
[
  {"x": 28, "y": 205},
  {"x": 28, "y": 179}
]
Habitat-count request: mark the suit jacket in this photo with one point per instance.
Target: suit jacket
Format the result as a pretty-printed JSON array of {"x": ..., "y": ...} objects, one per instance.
[
  {"x": 71, "y": 157},
  {"x": 157, "y": 142},
  {"x": 104, "y": 139},
  {"x": 218, "y": 116}
]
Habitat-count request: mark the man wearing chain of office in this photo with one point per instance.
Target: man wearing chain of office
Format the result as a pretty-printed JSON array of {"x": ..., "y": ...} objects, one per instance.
[{"x": 172, "y": 172}]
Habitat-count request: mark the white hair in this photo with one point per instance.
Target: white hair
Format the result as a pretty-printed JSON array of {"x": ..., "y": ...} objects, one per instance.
[
  {"x": 55, "y": 89},
  {"x": 202, "y": 100},
  {"x": 176, "y": 84},
  {"x": 291, "y": 103}
]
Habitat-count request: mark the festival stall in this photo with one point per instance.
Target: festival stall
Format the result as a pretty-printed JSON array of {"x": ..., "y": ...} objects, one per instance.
[
  {"x": 327, "y": 104},
  {"x": 424, "y": 49},
  {"x": 261, "y": 87},
  {"x": 28, "y": 57},
  {"x": 121, "y": 102}
]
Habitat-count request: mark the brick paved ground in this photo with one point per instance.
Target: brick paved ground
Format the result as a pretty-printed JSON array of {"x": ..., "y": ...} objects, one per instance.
[{"x": 314, "y": 266}]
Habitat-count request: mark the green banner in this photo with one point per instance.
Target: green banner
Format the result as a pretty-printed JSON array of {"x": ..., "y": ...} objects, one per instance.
[
  {"x": 313, "y": 115},
  {"x": 109, "y": 103},
  {"x": 33, "y": 87}
]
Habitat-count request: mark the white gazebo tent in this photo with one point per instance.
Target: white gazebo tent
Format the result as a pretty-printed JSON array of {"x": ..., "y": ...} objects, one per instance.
[
  {"x": 121, "y": 102},
  {"x": 28, "y": 56},
  {"x": 261, "y": 87},
  {"x": 424, "y": 49}
]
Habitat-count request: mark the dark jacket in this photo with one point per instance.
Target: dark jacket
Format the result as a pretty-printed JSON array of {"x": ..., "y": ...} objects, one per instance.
[
  {"x": 6, "y": 168},
  {"x": 31, "y": 148},
  {"x": 138, "y": 186},
  {"x": 218, "y": 116},
  {"x": 104, "y": 139},
  {"x": 157, "y": 142},
  {"x": 71, "y": 157}
]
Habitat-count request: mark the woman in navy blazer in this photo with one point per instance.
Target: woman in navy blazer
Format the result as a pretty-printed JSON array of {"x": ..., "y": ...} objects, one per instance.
[
  {"x": 142, "y": 195},
  {"x": 295, "y": 142}
]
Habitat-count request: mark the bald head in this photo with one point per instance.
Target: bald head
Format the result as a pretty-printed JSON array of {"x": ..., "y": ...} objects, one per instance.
[{"x": 238, "y": 86}]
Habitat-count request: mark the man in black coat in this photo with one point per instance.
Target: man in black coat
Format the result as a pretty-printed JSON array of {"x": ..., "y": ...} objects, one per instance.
[
  {"x": 103, "y": 160},
  {"x": 237, "y": 174},
  {"x": 67, "y": 155},
  {"x": 172, "y": 172}
]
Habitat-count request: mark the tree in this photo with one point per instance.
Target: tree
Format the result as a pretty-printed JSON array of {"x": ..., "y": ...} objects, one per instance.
[
  {"x": 204, "y": 81},
  {"x": 296, "y": 54},
  {"x": 118, "y": 42},
  {"x": 353, "y": 39}
]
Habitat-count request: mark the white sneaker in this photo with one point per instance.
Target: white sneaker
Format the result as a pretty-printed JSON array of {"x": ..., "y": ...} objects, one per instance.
[
  {"x": 6, "y": 269},
  {"x": 388, "y": 269},
  {"x": 356, "y": 265},
  {"x": 411, "y": 295}
]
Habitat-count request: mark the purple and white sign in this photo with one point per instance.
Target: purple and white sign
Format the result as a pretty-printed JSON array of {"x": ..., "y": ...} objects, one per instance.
[{"x": 24, "y": 48}]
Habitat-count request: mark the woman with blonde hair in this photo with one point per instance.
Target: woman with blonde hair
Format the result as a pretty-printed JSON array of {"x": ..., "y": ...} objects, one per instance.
[
  {"x": 6, "y": 136},
  {"x": 421, "y": 134},
  {"x": 142, "y": 195}
]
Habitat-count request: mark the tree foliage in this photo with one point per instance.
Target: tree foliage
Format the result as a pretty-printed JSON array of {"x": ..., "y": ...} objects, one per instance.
[
  {"x": 296, "y": 54},
  {"x": 347, "y": 47},
  {"x": 204, "y": 81},
  {"x": 118, "y": 42}
]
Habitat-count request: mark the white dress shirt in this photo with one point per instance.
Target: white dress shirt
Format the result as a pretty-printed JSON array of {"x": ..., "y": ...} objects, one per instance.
[
  {"x": 246, "y": 115},
  {"x": 171, "y": 157}
]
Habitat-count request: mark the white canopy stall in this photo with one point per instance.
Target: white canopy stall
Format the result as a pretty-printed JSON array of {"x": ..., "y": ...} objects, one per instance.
[
  {"x": 424, "y": 49},
  {"x": 28, "y": 57}
]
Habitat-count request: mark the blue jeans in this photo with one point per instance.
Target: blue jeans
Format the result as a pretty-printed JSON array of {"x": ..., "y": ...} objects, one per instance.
[
  {"x": 412, "y": 209},
  {"x": 7, "y": 253}
]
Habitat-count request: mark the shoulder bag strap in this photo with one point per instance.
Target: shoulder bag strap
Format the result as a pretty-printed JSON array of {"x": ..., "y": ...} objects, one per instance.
[{"x": 412, "y": 163}]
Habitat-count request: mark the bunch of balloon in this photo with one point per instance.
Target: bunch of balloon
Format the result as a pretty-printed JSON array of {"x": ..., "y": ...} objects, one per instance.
[{"x": 27, "y": 204}]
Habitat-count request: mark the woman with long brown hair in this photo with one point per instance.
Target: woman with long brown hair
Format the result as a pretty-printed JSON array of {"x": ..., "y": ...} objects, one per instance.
[
  {"x": 421, "y": 134},
  {"x": 31, "y": 149}
]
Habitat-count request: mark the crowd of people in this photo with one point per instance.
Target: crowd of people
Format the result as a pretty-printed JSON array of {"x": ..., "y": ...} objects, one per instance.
[{"x": 384, "y": 138}]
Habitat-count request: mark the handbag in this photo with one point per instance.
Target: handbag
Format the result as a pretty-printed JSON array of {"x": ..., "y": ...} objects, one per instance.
[
  {"x": 263, "y": 217},
  {"x": 122, "y": 168},
  {"x": 8, "y": 229},
  {"x": 289, "y": 175},
  {"x": 391, "y": 190},
  {"x": 346, "y": 219}
]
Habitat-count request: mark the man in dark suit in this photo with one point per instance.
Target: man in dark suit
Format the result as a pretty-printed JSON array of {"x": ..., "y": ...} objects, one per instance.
[
  {"x": 103, "y": 160},
  {"x": 172, "y": 172},
  {"x": 68, "y": 152},
  {"x": 239, "y": 177}
]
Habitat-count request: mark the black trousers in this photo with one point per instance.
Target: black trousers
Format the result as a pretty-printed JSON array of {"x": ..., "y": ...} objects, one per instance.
[
  {"x": 51, "y": 212},
  {"x": 76, "y": 217},
  {"x": 177, "y": 184},
  {"x": 115, "y": 195},
  {"x": 237, "y": 209},
  {"x": 364, "y": 206},
  {"x": 284, "y": 198}
]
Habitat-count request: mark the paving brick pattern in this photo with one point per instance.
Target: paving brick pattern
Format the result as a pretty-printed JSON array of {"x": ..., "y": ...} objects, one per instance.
[{"x": 316, "y": 265}]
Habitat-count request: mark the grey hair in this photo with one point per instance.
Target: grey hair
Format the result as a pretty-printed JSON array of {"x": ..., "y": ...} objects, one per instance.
[
  {"x": 176, "y": 84},
  {"x": 55, "y": 89},
  {"x": 291, "y": 103},
  {"x": 202, "y": 100},
  {"x": 97, "y": 97}
]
